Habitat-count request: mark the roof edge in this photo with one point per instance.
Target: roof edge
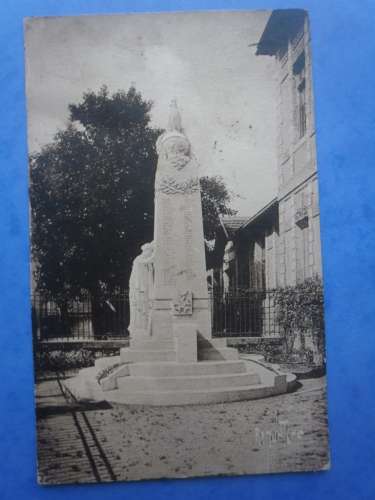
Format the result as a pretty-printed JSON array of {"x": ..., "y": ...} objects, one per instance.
[
  {"x": 281, "y": 26},
  {"x": 262, "y": 211}
]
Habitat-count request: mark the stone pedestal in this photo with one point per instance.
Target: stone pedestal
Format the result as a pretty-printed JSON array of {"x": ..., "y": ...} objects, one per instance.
[{"x": 186, "y": 342}]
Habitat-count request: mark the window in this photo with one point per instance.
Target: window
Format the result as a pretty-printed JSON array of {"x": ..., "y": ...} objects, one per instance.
[
  {"x": 286, "y": 109},
  {"x": 299, "y": 72},
  {"x": 282, "y": 54},
  {"x": 302, "y": 202},
  {"x": 257, "y": 265},
  {"x": 302, "y": 253}
]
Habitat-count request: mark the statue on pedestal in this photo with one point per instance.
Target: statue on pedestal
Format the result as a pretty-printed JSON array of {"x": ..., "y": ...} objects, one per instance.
[
  {"x": 170, "y": 309},
  {"x": 141, "y": 285}
]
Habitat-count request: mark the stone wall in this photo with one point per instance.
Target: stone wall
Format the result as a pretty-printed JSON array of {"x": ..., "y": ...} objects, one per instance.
[{"x": 299, "y": 254}]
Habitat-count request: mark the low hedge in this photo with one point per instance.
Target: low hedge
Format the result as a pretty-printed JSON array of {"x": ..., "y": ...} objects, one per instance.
[{"x": 60, "y": 360}]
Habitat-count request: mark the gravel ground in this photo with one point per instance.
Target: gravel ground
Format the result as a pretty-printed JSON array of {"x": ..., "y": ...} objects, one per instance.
[{"x": 92, "y": 444}]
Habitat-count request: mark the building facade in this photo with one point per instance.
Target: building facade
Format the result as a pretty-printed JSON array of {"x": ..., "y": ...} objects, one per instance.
[
  {"x": 245, "y": 273},
  {"x": 287, "y": 39},
  {"x": 280, "y": 245},
  {"x": 246, "y": 251}
]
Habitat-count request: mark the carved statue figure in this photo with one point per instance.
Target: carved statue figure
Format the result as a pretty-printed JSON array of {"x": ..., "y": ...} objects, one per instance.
[
  {"x": 141, "y": 285},
  {"x": 174, "y": 122}
]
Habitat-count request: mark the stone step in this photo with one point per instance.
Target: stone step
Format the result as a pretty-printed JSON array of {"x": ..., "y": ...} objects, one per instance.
[
  {"x": 218, "y": 354},
  {"x": 185, "y": 369},
  {"x": 84, "y": 385},
  {"x": 134, "y": 355},
  {"x": 183, "y": 383},
  {"x": 217, "y": 343},
  {"x": 152, "y": 344},
  {"x": 102, "y": 363},
  {"x": 88, "y": 372},
  {"x": 110, "y": 381},
  {"x": 169, "y": 344},
  {"x": 188, "y": 397}
]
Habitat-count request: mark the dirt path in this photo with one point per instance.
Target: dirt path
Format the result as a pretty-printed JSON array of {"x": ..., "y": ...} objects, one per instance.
[{"x": 103, "y": 443}]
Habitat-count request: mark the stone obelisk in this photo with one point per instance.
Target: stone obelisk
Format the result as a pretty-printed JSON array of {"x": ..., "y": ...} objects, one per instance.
[{"x": 180, "y": 297}]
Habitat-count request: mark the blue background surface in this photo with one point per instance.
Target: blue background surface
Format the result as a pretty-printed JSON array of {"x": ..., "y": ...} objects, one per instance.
[{"x": 344, "y": 80}]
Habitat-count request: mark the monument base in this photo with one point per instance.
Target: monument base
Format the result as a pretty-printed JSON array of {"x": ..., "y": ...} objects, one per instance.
[{"x": 150, "y": 373}]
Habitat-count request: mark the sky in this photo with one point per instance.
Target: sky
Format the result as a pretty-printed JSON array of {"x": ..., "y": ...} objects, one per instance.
[{"x": 206, "y": 61}]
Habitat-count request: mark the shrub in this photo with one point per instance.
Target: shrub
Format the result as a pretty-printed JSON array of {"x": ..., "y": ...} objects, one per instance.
[
  {"x": 299, "y": 313},
  {"x": 60, "y": 360}
]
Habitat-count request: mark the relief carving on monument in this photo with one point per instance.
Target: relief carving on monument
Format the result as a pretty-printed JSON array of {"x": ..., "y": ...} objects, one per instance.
[
  {"x": 182, "y": 305},
  {"x": 177, "y": 171},
  {"x": 169, "y": 185}
]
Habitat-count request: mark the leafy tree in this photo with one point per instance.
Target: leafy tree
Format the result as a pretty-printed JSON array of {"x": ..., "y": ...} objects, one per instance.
[
  {"x": 91, "y": 194},
  {"x": 92, "y": 197},
  {"x": 215, "y": 202}
]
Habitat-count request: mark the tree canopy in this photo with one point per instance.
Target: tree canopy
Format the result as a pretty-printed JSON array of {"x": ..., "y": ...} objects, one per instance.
[
  {"x": 92, "y": 195},
  {"x": 215, "y": 202}
]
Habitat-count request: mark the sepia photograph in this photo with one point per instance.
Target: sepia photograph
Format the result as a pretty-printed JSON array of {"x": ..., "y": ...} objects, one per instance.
[{"x": 176, "y": 275}]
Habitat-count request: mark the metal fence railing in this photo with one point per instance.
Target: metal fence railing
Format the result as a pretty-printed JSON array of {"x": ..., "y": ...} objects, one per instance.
[
  {"x": 250, "y": 314},
  {"x": 80, "y": 319},
  {"x": 245, "y": 314}
]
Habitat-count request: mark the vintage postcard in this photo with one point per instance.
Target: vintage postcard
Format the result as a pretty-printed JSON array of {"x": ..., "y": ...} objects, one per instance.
[{"x": 176, "y": 276}]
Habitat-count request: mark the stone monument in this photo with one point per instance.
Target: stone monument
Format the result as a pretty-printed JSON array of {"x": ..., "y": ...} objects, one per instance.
[
  {"x": 172, "y": 357},
  {"x": 180, "y": 303}
]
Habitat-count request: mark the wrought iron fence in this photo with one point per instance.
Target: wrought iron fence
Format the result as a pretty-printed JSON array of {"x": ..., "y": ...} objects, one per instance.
[
  {"x": 80, "y": 319},
  {"x": 244, "y": 314},
  {"x": 247, "y": 314}
]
